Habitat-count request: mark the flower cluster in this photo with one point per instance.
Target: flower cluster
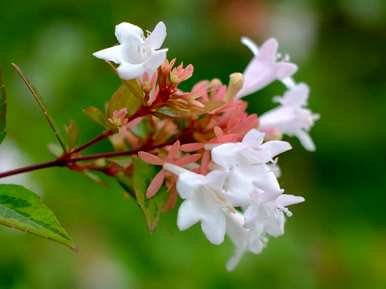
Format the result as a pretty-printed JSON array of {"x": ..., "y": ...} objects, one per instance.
[{"x": 219, "y": 159}]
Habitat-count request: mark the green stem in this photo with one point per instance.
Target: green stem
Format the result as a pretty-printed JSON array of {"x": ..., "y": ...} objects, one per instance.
[{"x": 40, "y": 103}]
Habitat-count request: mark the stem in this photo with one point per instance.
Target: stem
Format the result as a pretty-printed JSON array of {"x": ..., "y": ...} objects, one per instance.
[
  {"x": 49, "y": 164},
  {"x": 95, "y": 140},
  {"x": 40, "y": 103},
  {"x": 115, "y": 154},
  {"x": 61, "y": 162}
]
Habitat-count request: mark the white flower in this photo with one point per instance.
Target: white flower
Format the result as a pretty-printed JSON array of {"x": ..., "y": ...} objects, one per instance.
[
  {"x": 267, "y": 210},
  {"x": 246, "y": 164},
  {"x": 264, "y": 68},
  {"x": 244, "y": 239},
  {"x": 136, "y": 54},
  {"x": 292, "y": 117},
  {"x": 265, "y": 216},
  {"x": 251, "y": 150},
  {"x": 203, "y": 202}
]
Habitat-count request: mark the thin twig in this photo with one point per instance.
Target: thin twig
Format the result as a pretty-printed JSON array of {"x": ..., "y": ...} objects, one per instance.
[
  {"x": 62, "y": 162},
  {"x": 95, "y": 140},
  {"x": 40, "y": 103}
]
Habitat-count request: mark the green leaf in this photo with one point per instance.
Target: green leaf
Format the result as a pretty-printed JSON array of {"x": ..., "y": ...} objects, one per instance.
[
  {"x": 23, "y": 210},
  {"x": 123, "y": 98},
  {"x": 96, "y": 115},
  {"x": 3, "y": 107},
  {"x": 136, "y": 186}
]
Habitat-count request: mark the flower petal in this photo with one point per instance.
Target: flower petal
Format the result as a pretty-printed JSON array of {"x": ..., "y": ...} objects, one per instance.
[
  {"x": 285, "y": 200},
  {"x": 297, "y": 96},
  {"x": 113, "y": 54},
  {"x": 224, "y": 155},
  {"x": 254, "y": 137},
  {"x": 187, "y": 215},
  {"x": 191, "y": 147},
  {"x": 268, "y": 50},
  {"x": 155, "y": 61},
  {"x": 128, "y": 71},
  {"x": 188, "y": 183},
  {"x": 276, "y": 147},
  {"x": 188, "y": 159},
  {"x": 285, "y": 69},
  {"x": 214, "y": 228},
  {"x": 125, "y": 32},
  {"x": 150, "y": 158},
  {"x": 157, "y": 37},
  {"x": 155, "y": 184},
  {"x": 306, "y": 140},
  {"x": 216, "y": 179}
]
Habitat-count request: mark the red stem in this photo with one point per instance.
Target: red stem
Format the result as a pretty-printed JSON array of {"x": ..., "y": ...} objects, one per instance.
[{"x": 61, "y": 162}]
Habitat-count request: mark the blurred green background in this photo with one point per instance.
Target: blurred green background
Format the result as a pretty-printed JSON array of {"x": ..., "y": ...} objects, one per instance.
[{"x": 335, "y": 240}]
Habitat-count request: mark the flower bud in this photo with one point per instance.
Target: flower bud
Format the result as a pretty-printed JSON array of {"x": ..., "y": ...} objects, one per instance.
[{"x": 236, "y": 81}]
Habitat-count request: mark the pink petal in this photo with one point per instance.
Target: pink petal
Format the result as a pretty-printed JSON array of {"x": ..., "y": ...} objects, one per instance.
[
  {"x": 191, "y": 147},
  {"x": 188, "y": 159},
  {"x": 150, "y": 158},
  {"x": 173, "y": 150},
  {"x": 155, "y": 184},
  {"x": 205, "y": 163},
  {"x": 172, "y": 198},
  {"x": 218, "y": 131}
]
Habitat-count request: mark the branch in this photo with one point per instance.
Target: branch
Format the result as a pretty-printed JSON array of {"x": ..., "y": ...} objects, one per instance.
[
  {"x": 62, "y": 162},
  {"x": 40, "y": 103},
  {"x": 95, "y": 140}
]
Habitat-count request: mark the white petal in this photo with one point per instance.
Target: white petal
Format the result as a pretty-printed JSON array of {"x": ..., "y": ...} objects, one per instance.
[
  {"x": 187, "y": 215},
  {"x": 306, "y": 140},
  {"x": 257, "y": 75},
  {"x": 276, "y": 147},
  {"x": 126, "y": 32},
  {"x": 285, "y": 69},
  {"x": 239, "y": 237},
  {"x": 128, "y": 71},
  {"x": 254, "y": 137},
  {"x": 280, "y": 118},
  {"x": 235, "y": 259},
  {"x": 113, "y": 54},
  {"x": 216, "y": 179},
  {"x": 268, "y": 50},
  {"x": 214, "y": 228},
  {"x": 155, "y": 61},
  {"x": 250, "y": 216},
  {"x": 275, "y": 225},
  {"x": 224, "y": 155},
  {"x": 157, "y": 37},
  {"x": 285, "y": 200},
  {"x": 264, "y": 178},
  {"x": 255, "y": 156},
  {"x": 297, "y": 96},
  {"x": 250, "y": 44},
  {"x": 188, "y": 183}
]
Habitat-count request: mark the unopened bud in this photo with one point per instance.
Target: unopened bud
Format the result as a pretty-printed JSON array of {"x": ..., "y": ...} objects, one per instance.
[
  {"x": 236, "y": 81},
  {"x": 215, "y": 83}
]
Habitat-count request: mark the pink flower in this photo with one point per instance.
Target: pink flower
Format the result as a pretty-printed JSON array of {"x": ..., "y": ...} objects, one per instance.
[
  {"x": 181, "y": 73},
  {"x": 264, "y": 68},
  {"x": 173, "y": 157}
]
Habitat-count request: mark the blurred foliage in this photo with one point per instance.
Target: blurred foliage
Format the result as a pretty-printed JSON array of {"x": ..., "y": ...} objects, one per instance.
[{"x": 335, "y": 240}]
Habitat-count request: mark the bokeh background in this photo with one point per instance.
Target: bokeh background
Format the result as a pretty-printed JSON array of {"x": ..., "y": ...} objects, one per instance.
[{"x": 336, "y": 239}]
